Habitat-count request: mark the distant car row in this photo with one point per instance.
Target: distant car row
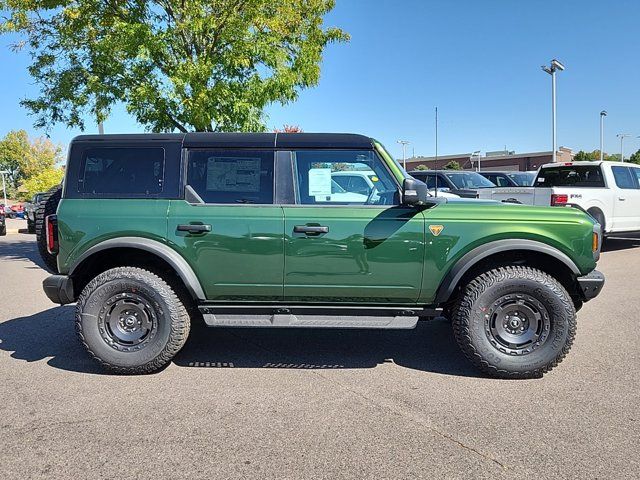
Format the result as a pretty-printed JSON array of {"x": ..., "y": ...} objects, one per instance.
[{"x": 466, "y": 184}]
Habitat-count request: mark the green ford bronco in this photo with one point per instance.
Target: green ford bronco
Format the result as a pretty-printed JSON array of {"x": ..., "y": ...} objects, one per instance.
[{"x": 254, "y": 230}]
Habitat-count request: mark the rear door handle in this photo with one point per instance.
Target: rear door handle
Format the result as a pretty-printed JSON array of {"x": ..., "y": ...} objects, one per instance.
[
  {"x": 195, "y": 228},
  {"x": 310, "y": 229}
]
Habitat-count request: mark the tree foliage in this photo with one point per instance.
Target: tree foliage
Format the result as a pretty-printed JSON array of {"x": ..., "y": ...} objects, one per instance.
[
  {"x": 40, "y": 182},
  {"x": 288, "y": 129},
  {"x": 23, "y": 157},
  {"x": 204, "y": 65},
  {"x": 593, "y": 156},
  {"x": 422, "y": 167},
  {"x": 452, "y": 165},
  {"x": 635, "y": 157}
]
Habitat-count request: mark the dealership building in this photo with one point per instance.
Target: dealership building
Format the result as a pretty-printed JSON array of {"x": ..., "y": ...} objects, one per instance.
[{"x": 500, "y": 160}]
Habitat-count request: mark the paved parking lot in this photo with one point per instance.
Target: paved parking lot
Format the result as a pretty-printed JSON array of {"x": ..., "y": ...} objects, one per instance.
[{"x": 315, "y": 404}]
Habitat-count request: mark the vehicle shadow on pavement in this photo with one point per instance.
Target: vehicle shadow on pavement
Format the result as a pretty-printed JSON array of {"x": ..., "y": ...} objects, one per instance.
[
  {"x": 24, "y": 250},
  {"x": 430, "y": 347},
  {"x": 48, "y": 334},
  {"x": 614, "y": 244}
]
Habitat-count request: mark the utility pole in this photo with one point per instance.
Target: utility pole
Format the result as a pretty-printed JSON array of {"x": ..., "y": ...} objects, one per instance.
[
  {"x": 4, "y": 186},
  {"x": 404, "y": 144},
  {"x": 551, "y": 70},
  {"x": 603, "y": 114},
  {"x": 436, "y": 162},
  {"x": 622, "y": 136}
]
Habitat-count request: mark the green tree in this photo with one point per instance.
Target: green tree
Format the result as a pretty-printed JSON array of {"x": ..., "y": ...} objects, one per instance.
[
  {"x": 40, "y": 182},
  {"x": 452, "y": 165},
  {"x": 635, "y": 157},
  {"x": 23, "y": 157},
  {"x": 583, "y": 156},
  {"x": 204, "y": 65},
  {"x": 421, "y": 167}
]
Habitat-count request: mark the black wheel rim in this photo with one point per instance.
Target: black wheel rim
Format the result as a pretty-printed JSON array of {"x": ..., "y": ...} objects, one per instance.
[
  {"x": 127, "y": 322},
  {"x": 517, "y": 324}
]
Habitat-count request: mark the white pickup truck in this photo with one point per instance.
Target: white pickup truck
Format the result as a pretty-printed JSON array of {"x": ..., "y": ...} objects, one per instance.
[{"x": 608, "y": 191}]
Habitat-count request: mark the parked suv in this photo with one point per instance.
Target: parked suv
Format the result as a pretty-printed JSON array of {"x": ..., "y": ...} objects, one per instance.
[
  {"x": 30, "y": 211},
  {"x": 462, "y": 183},
  {"x": 154, "y": 230}
]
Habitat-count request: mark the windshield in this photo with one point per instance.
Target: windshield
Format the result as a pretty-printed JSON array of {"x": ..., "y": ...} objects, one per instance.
[
  {"x": 524, "y": 179},
  {"x": 469, "y": 180},
  {"x": 570, "y": 176}
]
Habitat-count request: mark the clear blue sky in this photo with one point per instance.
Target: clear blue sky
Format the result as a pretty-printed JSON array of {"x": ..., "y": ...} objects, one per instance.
[{"x": 477, "y": 60}]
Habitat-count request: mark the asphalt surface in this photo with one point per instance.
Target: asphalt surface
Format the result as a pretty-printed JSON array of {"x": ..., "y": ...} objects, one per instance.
[{"x": 315, "y": 404}]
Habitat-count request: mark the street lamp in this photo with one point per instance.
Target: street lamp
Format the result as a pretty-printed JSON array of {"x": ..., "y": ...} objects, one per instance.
[
  {"x": 603, "y": 114},
  {"x": 4, "y": 186},
  {"x": 551, "y": 70},
  {"x": 622, "y": 136},
  {"x": 404, "y": 144}
]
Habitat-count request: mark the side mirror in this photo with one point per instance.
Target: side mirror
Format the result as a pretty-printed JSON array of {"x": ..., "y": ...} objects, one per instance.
[{"x": 414, "y": 192}]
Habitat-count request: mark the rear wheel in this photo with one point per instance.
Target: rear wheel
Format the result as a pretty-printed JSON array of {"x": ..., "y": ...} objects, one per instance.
[
  {"x": 515, "y": 322},
  {"x": 31, "y": 227},
  {"x": 131, "y": 321},
  {"x": 3, "y": 230},
  {"x": 47, "y": 206}
]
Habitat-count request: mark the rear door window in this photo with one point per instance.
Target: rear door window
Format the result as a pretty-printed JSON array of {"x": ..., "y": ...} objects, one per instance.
[
  {"x": 232, "y": 177},
  {"x": 571, "y": 176},
  {"x": 122, "y": 172},
  {"x": 624, "y": 177}
]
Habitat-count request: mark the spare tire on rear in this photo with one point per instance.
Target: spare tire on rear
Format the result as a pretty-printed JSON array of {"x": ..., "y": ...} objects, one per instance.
[{"x": 47, "y": 206}]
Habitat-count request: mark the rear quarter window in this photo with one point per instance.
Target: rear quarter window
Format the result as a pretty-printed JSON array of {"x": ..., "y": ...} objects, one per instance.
[
  {"x": 144, "y": 169},
  {"x": 571, "y": 176},
  {"x": 122, "y": 171}
]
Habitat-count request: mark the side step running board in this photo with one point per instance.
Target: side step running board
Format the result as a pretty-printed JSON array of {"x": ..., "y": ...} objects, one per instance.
[{"x": 310, "y": 317}]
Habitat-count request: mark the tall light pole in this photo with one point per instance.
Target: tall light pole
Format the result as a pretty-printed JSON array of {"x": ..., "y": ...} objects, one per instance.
[
  {"x": 603, "y": 114},
  {"x": 404, "y": 144},
  {"x": 4, "y": 186},
  {"x": 551, "y": 70},
  {"x": 622, "y": 136},
  {"x": 477, "y": 155}
]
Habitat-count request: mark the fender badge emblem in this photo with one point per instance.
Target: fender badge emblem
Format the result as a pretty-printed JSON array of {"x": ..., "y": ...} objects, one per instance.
[{"x": 436, "y": 229}]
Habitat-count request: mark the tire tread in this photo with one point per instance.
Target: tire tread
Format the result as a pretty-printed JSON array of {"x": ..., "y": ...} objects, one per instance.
[
  {"x": 180, "y": 320},
  {"x": 462, "y": 312}
]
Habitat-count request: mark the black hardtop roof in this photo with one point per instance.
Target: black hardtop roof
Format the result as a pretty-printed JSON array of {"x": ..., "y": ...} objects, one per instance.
[{"x": 239, "y": 140}]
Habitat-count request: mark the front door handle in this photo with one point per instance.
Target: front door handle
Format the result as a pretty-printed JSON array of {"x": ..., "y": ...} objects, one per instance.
[
  {"x": 310, "y": 229},
  {"x": 194, "y": 228},
  {"x": 622, "y": 199}
]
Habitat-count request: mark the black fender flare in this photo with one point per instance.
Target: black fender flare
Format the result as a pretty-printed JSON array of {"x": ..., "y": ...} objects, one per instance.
[
  {"x": 173, "y": 258},
  {"x": 471, "y": 258}
]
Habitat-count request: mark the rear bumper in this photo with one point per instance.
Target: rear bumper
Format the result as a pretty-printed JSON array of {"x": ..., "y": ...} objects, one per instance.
[
  {"x": 59, "y": 289},
  {"x": 591, "y": 284}
]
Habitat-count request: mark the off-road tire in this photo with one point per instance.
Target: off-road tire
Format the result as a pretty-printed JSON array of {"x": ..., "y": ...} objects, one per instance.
[
  {"x": 31, "y": 227},
  {"x": 171, "y": 321},
  {"x": 47, "y": 206},
  {"x": 475, "y": 310},
  {"x": 3, "y": 230}
]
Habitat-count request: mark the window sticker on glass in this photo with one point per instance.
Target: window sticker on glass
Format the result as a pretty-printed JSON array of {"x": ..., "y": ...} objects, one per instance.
[
  {"x": 319, "y": 181},
  {"x": 233, "y": 174}
]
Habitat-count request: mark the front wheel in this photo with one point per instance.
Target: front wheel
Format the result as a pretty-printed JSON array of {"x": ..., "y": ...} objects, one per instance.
[
  {"x": 515, "y": 322},
  {"x": 131, "y": 321}
]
